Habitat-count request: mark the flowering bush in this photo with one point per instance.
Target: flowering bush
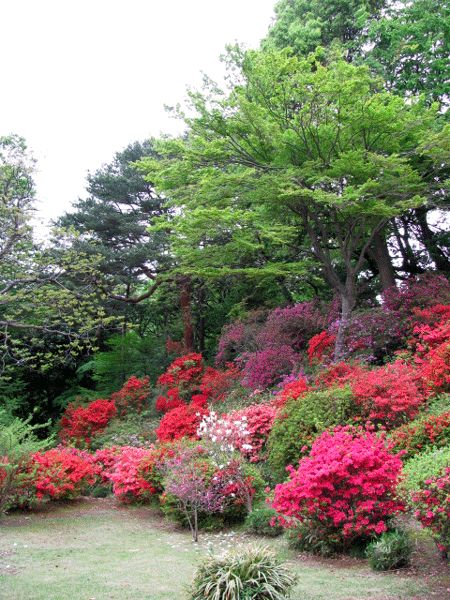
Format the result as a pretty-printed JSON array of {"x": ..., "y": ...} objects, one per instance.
[
  {"x": 125, "y": 472},
  {"x": 418, "y": 292},
  {"x": 337, "y": 375},
  {"x": 432, "y": 508},
  {"x": 79, "y": 424},
  {"x": 422, "y": 433},
  {"x": 270, "y": 345},
  {"x": 187, "y": 380},
  {"x": 291, "y": 391},
  {"x": 345, "y": 488},
  {"x": 321, "y": 348},
  {"x": 265, "y": 368},
  {"x": 180, "y": 422},
  {"x": 215, "y": 383},
  {"x": 191, "y": 479},
  {"x": 433, "y": 348},
  {"x": 298, "y": 424},
  {"x": 61, "y": 473},
  {"x": 184, "y": 373},
  {"x": 391, "y": 394},
  {"x": 103, "y": 463},
  {"x": 133, "y": 397}
]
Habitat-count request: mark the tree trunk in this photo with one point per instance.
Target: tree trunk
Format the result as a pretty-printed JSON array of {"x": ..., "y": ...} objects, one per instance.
[
  {"x": 348, "y": 302},
  {"x": 379, "y": 252},
  {"x": 186, "y": 313}
]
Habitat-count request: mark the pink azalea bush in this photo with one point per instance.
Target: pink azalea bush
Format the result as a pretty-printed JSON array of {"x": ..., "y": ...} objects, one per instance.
[{"x": 344, "y": 489}]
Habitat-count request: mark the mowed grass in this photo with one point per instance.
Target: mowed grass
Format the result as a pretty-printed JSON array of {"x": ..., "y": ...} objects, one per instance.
[{"x": 103, "y": 552}]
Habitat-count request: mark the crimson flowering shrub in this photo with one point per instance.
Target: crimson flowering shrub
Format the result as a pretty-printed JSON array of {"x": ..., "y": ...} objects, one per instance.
[
  {"x": 104, "y": 461},
  {"x": 432, "y": 348},
  {"x": 61, "y": 473},
  {"x": 432, "y": 508},
  {"x": 215, "y": 383},
  {"x": 320, "y": 348},
  {"x": 181, "y": 422},
  {"x": 125, "y": 472},
  {"x": 133, "y": 397},
  {"x": 291, "y": 391},
  {"x": 259, "y": 419},
  {"x": 184, "y": 373},
  {"x": 422, "y": 433},
  {"x": 345, "y": 488},
  {"x": 79, "y": 424},
  {"x": 337, "y": 374},
  {"x": 391, "y": 394},
  {"x": 187, "y": 380}
]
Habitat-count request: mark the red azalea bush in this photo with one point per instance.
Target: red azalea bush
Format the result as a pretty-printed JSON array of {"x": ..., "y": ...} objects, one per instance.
[
  {"x": 344, "y": 489},
  {"x": 61, "y": 473},
  {"x": 433, "y": 350},
  {"x": 129, "y": 485},
  {"x": 291, "y": 391},
  {"x": 391, "y": 394},
  {"x": 184, "y": 373},
  {"x": 425, "y": 432},
  {"x": 104, "y": 461},
  {"x": 187, "y": 380},
  {"x": 216, "y": 383},
  {"x": 432, "y": 509},
  {"x": 180, "y": 422},
  {"x": 259, "y": 419},
  {"x": 337, "y": 374},
  {"x": 79, "y": 424},
  {"x": 320, "y": 348},
  {"x": 133, "y": 397}
]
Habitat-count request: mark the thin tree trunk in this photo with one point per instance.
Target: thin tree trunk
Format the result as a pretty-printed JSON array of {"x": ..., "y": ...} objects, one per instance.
[{"x": 186, "y": 313}]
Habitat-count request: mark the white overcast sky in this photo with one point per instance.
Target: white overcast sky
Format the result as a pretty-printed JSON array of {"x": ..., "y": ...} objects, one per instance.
[{"x": 81, "y": 80}]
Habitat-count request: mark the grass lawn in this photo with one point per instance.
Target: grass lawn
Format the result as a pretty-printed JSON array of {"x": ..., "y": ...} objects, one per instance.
[{"x": 98, "y": 550}]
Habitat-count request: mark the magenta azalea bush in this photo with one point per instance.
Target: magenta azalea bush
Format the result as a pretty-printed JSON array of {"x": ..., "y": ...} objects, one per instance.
[{"x": 345, "y": 488}]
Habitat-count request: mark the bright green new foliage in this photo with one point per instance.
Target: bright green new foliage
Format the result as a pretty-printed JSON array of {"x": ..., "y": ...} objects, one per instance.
[{"x": 299, "y": 165}]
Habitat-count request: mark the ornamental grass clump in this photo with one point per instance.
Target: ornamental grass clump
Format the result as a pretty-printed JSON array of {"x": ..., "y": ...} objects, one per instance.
[
  {"x": 391, "y": 551},
  {"x": 253, "y": 573}
]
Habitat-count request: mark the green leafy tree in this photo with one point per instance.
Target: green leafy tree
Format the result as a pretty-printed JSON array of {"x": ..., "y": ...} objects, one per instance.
[
  {"x": 297, "y": 155},
  {"x": 38, "y": 298},
  {"x": 303, "y": 25}
]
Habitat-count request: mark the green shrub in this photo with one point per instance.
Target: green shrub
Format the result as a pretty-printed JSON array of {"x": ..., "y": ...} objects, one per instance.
[
  {"x": 263, "y": 521},
  {"x": 428, "y": 464},
  {"x": 424, "y": 432},
  {"x": 302, "y": 539},
  {"x": 131, "y": 430},
  {"x": 302, "y": 420},
  {"x": 392, "y": 550},
  {"x": 253, "y": 573}
]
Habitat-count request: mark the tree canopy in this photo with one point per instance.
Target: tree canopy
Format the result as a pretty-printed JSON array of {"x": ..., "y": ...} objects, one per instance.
[{"x": 296, "y": 155}]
